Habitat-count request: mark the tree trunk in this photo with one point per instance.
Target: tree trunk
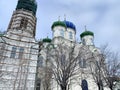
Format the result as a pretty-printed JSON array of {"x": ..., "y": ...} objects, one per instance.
[
  {"x": 63, "y": 87},
  {"x": 100, "y": 88},
  {"x": 111, "y": 88}
]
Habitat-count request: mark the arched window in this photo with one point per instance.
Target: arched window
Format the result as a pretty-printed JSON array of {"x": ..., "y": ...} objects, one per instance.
[
  {"x": 2, "y": 49},
  {"x": 63, "y": 60},
  {"x": 84, "y": 85},
  {"x": 84, "y": 42},
  {"x": 62, "y": 32},
  {"x": 82, "y": 63},
  {"x": 40, "y": 61},
  {"x": 13, "y": 52},
  {"x": 24, "y": 22},
  {"x": 70, "y": 35},
  {"x": 21, "y": 50}
]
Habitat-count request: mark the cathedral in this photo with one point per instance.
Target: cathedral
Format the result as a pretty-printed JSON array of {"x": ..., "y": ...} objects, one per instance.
[{"x": 22, "y": 57}]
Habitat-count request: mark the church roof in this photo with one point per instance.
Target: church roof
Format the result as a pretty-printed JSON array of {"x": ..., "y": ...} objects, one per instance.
[
  {"x": 29, "y": 5},
  {"x": 85, "y": 33},
  {"x": 1, "y": 35},
  {"x": 66, "y": 24},
  {"x": 70, "y": 25},
  {"x": 48, "y": 40},
  {"x": 58, "y": 23}
]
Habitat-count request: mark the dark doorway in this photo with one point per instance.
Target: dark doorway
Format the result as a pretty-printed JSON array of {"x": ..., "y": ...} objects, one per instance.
[{"x": 84, "y": 85}]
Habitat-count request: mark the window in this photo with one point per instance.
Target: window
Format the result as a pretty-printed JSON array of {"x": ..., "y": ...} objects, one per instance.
[
  {"x": 82, "y": 63},
  {"x": 40, "y": 61},
  {"x": 13, "y": 52},
  {"x": 84, "y": 42},
  {"x": 91, "y": 39},
  {"x": 63, "y": 60},
  {"x": 23, "y": 23},
  {"x": 2, "y": 48},
  {"x": 62, "y": 32},
  {"x": 21, "y": 50},
  {"x": 70, "y": 35}
]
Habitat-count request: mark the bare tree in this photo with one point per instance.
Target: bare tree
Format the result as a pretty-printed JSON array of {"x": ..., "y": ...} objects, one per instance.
[
  {"x": 96, "y": 64},
  {"x": 105, "y": 67},
  {"x": 44, "y": 77},
  {"x": 44, "y": 74},
  {"x": 112, "y": 68},
  {"x": 47, "y": 79},
  {"x": 64, "y": 60}
]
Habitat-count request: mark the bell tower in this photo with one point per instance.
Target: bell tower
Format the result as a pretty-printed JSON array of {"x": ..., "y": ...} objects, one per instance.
[
  {"x": 19, "y": 54},
  {"x": 24, "y": 18}
]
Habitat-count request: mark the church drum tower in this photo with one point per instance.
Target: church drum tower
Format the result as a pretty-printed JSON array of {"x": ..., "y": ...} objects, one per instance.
[{"x": 19, "y": 49}]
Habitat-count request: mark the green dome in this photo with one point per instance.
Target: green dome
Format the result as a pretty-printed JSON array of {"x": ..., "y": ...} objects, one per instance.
[
  {"x": 29, "y": 5},
  {"x": 58, "y": 23},
  {"x": 86, "y": 33},
  {"x": 47, "y": 40},
  {"x": 1, "y": 35}
]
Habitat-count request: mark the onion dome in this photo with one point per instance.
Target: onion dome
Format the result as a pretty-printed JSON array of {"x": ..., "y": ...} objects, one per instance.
[
  {"x": 47, "y": 40},
  {"x": 70, "y": 25},
  {"x": 86, "y": 33},
  {"x": 2, "y": 34},
  {"x": 58, "y": 23},
  {"x": 29, "y": 5}
]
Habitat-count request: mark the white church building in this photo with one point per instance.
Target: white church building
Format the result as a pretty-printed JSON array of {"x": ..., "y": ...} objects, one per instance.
[
  {"x": 65, "y": 32},
  {"x": 22, "y": 57}
]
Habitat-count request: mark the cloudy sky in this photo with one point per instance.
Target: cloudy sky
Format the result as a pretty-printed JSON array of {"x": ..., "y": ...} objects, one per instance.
[{"x": 100, "y": 16}]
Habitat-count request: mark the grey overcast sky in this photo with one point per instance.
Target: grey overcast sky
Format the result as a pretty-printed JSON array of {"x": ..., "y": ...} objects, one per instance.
[{"x": 100, "y": 16}]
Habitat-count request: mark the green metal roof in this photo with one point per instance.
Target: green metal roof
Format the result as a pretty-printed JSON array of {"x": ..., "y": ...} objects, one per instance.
[
  {"x": 47, "y": 40},
  {"x": 29, "y": 5},
  {"x": 2, "y": 34},
  {"x": 86, "y": 33},
  {"x": 58, "y": 23}
]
